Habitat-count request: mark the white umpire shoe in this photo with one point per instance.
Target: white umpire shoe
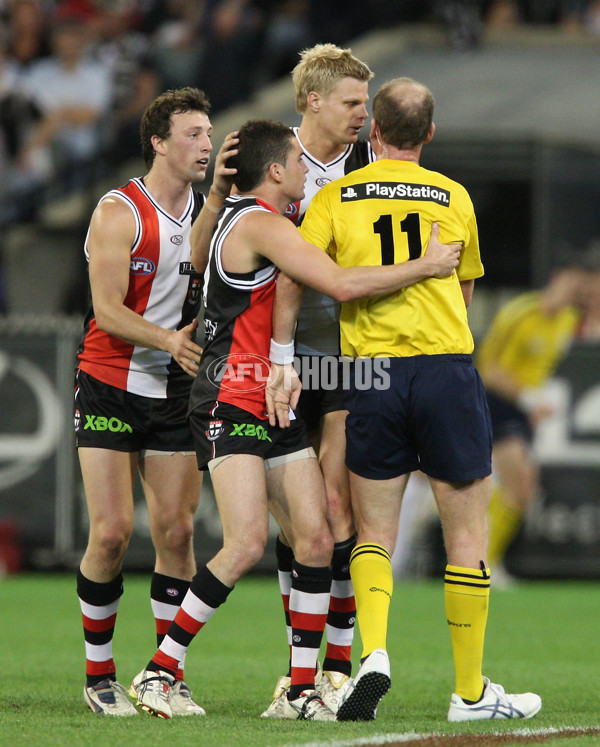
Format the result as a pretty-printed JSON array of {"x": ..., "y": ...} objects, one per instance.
[
  {"x": 109, "y": 698},
  {"x": 152, "y": 690},
  {"x": 371, "y": 683},
  {"x": 494, "y": 703},
  {"x": 180, "y": 700}
]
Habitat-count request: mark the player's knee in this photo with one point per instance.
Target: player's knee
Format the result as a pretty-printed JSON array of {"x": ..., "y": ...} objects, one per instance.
[
  {"x": 255, "y": 550},
  {"x": 245, "y": 552},
  {"x": 315, "y": 549},
  {"x": 338, "y": 508},
  {"x": 178, "y": 536},
  {"x": 111, "y": 541}
]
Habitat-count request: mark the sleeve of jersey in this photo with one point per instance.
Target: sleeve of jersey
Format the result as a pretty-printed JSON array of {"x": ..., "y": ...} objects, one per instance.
[
  {"x": 317, "y": 226},
  {"x": 470, "y": 266}
]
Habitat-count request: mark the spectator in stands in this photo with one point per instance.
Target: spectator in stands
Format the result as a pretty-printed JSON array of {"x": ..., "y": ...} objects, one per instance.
[
  {"x": 17, "y": 117},
  {"x": 233, "y": 33},
  {"x": 288, "y": 31},
  {"x": 28, "y": 33},
  {"x": 573, "y": 15},
  {"x": 125, "y": 51},
  {"x": 178, "y": 46},
  {"x": 85, "y": 11},
  {"x": 526, "y": 341},
  {"x": 73, "y": 94}
]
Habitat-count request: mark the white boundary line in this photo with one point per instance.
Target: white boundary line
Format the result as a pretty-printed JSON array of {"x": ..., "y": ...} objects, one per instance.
[{"x": 414, "y": 736}]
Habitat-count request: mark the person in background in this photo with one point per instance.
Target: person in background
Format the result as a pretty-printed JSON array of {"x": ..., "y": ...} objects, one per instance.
[
  {"x": 127, "y": 54},
  {"x": 18, "y": 116},
  {"x": 28, "y": 38},
  {"x": 73, "y": 95},
  {"x": 526, "y": 340}
]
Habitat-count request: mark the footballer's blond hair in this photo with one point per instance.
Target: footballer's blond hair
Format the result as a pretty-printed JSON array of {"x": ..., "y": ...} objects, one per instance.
[{"x": 321, "y": 68}]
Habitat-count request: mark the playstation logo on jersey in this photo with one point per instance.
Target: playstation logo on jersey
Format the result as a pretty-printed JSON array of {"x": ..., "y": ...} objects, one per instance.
[
  {"x": 322, "y": 181},
  {"x": 215, "y": 429},
  {"x": 141, "y": 266},
  {"x": 349, "y": 194},
  {"x": 177, "y": 239}
]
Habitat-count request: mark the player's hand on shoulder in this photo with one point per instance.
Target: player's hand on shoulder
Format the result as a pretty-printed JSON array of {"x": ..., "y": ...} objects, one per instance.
[{"x": 444, "y": 258}]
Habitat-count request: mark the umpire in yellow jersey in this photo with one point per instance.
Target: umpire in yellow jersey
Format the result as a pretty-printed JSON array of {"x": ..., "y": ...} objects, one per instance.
[{"x": 433, "y": 416}]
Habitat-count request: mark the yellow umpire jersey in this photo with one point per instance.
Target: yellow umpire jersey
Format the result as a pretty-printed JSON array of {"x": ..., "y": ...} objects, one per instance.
[
  {"x": 382, "y": 214},
  {"x": 525, "y": 341}
]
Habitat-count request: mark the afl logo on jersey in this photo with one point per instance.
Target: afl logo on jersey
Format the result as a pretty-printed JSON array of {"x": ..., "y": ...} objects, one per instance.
[
  {"x": 291, "y": 210},
  {"x": 141, "y": 266},
  {"x": 177, "y": 239},
  {"x": 322, "y": 181}
]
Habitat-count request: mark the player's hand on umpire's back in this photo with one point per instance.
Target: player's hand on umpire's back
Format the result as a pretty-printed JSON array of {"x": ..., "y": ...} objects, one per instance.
[
  {"x": 184, "y": 350},
  {"x": 445, "y": 257}
]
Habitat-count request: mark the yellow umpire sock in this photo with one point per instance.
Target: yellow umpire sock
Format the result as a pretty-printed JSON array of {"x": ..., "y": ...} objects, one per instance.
[
  {"x": 504, "y": 522},
  {"x": 467, "y": 596},
  {"x": 371, "y": 573}
]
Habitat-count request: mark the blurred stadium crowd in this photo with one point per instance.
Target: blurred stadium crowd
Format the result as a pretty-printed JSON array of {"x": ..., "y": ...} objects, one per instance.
[{"x": 75, "y": 75}]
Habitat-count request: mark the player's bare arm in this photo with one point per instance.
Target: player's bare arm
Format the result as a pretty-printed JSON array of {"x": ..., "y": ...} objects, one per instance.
[
  {"x": 111, "y": 236},
  {"x": 204, "y": 224},
  {"x": 288, "y": 297},
  {"x": 284, "y": 385},
  {"x": 274, "y": 237},
  {"x": 467, "y": 287},
  {"x": 501, "y": 381}
]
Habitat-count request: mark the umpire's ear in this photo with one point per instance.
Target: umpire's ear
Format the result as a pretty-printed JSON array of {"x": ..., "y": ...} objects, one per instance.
[{"x": 375, "y": 139}]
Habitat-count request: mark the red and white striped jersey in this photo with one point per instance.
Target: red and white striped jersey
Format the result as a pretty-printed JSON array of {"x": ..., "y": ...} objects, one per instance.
[{"x": 164, "y": 288}]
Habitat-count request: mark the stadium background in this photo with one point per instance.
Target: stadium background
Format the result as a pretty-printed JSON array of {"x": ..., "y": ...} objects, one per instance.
[{"x": 517, "y": 124}]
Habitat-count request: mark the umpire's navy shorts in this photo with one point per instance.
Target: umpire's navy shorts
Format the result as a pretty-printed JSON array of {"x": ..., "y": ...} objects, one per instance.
[
  {"x": 316, "y": 401},
  {"x": 432, "y": 416}
]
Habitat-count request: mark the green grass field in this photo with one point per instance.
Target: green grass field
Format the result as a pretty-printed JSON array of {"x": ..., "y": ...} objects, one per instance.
[{"x": 543, "y": 637}]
